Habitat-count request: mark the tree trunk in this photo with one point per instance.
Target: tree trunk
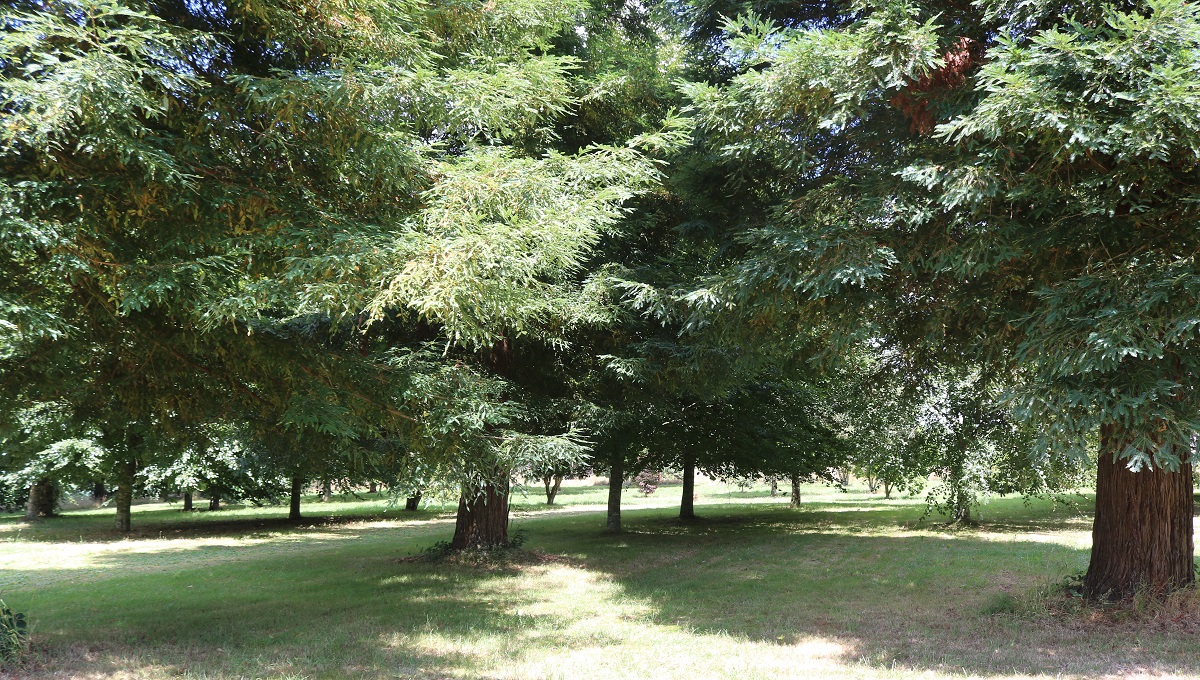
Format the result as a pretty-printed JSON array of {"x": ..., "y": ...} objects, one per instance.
[
  {"x": 326, "y": 491},
  {"x": 483, "y": 520},
  {"x": 187, "y": 501},
  {"x": 1142, "y": 534},
  {"x": 553, "y": 484},
  {"x": 887, "y": 489},
  {"x": 125, "y": 473},
  {"x": 214, "y": 502},
  {"x": 795, "y": 490},
  {"x": 99, "y": 493},
  {"x": 294, "y": 501},
  {"x": 412, "y": 503},
  {"x": 774, "y": 482},
  {"x": 959, "y": 500},
  {"x": 616, "y": 482},
  {"x": 961, "y": 512},
  {"x": 687, "y": 506},
  {"x": 373, "y": 488},
  {"x": 41, "y": 499}
]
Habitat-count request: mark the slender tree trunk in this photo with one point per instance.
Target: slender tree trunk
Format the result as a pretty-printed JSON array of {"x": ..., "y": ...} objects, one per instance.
[
  {"x": 1142, "y": 534},
  {"x": 99, "y": 493},
  {"x": 41, "y": 499},
  {"x": 774, "y": 482},
  {"x": 844, "y": 474},
  {"x": 616, "y": 482},
  {"x": 413, "y": 503},
  {"x": 125, "y": 472},
  {"x": 373, "y": 488},
  {"x": 326, "y": 491},
  {"x": 795, "y": 490},
  {"x": 887, "y": 489},
  {"x": 214, "y": 502},
  {"x": 687, "y": 506},
  {"x": 962, "y": 507},
  {"x": 552, "y": 483},
  {"x": 294, "y": 500},
  {"x": 187, "y": 501},
  {"x": 483, "y": 520},
  {"x": 959, "y": 500}
]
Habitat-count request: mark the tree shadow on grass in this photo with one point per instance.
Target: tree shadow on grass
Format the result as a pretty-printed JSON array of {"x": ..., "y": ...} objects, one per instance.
[
  {"x": 341, "y": 615},
  {"x": 924, "y": 601},
  {"x": 309, "y": 630},
  {"x": 771, "y": 581},
  {"x": 173, "y": 524}
]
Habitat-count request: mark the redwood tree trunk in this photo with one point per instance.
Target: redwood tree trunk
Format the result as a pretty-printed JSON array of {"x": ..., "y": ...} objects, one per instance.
[
  {"x": 795, "y": 490},
  {"x": 124, "y": 496},
  {"x": 616, "y": 480},
  {"x": 1142, "y": 534},
  {"x": 687, "y": 507},
  {"x": 41, "y": 499},
  {"x": 412, "y": 503},
  {"x": 294, "y": 501},
  {"x": 482, "y": 520}
]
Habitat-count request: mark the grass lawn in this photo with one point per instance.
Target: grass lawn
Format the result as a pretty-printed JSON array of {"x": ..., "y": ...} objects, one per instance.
[{"x": 849, "y": 586}]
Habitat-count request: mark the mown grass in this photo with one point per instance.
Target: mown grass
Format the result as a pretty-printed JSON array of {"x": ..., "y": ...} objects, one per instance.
[{"x": 848, "y": 586}]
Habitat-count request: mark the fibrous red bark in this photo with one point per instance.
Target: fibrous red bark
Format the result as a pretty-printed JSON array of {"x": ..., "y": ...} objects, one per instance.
[
  {"x": 1142, "y": 534},
  {"x": 482, "y": 519}
]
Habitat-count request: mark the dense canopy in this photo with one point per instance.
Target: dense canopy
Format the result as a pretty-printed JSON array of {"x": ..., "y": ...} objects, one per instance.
[{"x": 448, "y": 245}]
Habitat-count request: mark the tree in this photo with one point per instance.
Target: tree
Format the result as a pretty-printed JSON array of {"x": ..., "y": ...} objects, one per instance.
[
  {"x": 42, "y": 452},
  {"x": 179, "y": 177},
  {"x": 147, "y": 161},
  {"x": 1008, "y": 182},
  {"x": 778, "y": 428},
  {"x": 496, "y": 262},
  {"x": 552, "y": 474}
]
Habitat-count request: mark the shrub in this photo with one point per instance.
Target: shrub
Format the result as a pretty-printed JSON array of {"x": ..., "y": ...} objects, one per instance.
[
  {"x": 648, "y": 481},
  {"x": 13, "y": 635}
]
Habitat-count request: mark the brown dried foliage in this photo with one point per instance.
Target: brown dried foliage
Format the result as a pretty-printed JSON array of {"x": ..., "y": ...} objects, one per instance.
[{"x": 958, "y": 63}]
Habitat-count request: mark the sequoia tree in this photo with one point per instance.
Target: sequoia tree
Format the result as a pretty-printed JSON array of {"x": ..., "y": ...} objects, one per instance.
[
  {"x": 179, "y": 178},
  {"x": 1008, "y": 182}
]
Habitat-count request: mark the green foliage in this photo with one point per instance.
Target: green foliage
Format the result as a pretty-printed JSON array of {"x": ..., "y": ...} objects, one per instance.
[
  {"x": 1002, "y": 603},
  {"x": 14, "y": 635},
  {"x": 1041, "y": 230},
  {"x": 445, "y": 244}
]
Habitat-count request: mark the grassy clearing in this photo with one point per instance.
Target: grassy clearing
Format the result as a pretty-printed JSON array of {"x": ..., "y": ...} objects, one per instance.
[{"x": 849, "y": 586}]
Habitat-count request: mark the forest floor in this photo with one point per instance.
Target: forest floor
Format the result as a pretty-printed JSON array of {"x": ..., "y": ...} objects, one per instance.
[{"x": 848, "y": 586}]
